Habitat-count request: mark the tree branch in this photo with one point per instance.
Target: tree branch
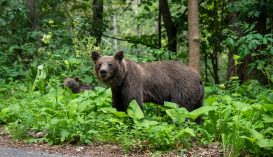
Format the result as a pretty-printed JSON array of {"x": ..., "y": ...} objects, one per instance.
[{"x": 131, "y": 41}]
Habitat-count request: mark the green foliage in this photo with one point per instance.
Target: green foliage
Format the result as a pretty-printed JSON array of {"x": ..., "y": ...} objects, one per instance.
[
  {"x": 238, "y": 121},
  {"x": 255, "y": 45},
  {"x": 240, "y": 118}
]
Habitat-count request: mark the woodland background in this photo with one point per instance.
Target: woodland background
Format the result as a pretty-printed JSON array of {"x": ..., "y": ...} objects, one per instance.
[{"x": 44, "y": 41}]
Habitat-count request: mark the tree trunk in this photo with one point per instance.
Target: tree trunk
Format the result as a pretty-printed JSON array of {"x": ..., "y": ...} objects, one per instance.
[
  {"x": 33, "y": 14},
  {"x": 115, "y": 32},
  {"x": 159, "y": 27},
  {"x": 231, "y": 70},
  {"x": 169, "y": 25},
  {"x": 194, "y": 40},
  {"x": 97, "y": 20}
]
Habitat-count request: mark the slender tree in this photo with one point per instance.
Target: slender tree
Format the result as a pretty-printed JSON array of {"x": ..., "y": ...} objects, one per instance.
[
  {"x": 159, "y": 27},
  {"x": 97, "y": 23},
  {"x": 33, "y": 18},
  {"x": 32, "y": 14},
  {"x": 169, "y": 25},
  {"x": 231, "y": 70},
  {"x": 194, "y": 39}
]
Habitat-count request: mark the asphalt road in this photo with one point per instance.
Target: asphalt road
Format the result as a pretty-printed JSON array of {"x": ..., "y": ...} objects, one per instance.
[{"x": 15, "y": 152}]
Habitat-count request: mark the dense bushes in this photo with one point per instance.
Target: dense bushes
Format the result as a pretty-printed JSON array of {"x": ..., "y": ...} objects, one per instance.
[{"x": 240, "y": 117}]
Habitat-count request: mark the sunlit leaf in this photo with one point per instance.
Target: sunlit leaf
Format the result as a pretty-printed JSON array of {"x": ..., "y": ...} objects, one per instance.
[
  {"x": 134, "y": 111},
  {"x": 204, "y": 109},
  {"x": 64, "y": 135}
]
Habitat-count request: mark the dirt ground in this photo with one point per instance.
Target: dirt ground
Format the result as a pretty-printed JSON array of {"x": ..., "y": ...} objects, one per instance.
[{"x": 103, "y": 150}]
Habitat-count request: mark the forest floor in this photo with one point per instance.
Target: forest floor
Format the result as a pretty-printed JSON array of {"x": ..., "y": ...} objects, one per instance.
[{"x": 95, "y": 149}]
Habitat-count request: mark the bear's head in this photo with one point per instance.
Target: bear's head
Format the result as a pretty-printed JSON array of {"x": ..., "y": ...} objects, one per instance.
[
  {"x": 110, "y": 69},
  {"x": 73, "y": 84}
]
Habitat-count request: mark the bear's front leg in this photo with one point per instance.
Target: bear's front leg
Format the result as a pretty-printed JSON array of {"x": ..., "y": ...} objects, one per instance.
[
  {"x": 117, "y": 100},
  {"x": 129, "y": 95}
]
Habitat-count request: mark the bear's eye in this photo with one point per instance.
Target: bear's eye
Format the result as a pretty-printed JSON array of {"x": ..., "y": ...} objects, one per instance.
[
  {"x": 109, "y": 64},
  {"x": 100, "y": 64}
]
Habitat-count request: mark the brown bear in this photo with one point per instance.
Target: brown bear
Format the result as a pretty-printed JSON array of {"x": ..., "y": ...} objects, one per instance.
[
  {"x": 149, "y": 82},
  {"x": 76, "y": 85}
]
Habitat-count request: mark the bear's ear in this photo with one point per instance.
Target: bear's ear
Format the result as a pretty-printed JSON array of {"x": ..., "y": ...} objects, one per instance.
[
  {"x": 119, "y": 55},
  {"x": 95, "y": 55},
  {"x": 77, "y": 79}
]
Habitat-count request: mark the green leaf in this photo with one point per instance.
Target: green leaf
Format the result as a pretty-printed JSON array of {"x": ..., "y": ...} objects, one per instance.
[
  {"x": 114, "y": 111},
  {"x": 64, "y": 135},
  {"x": 134, "y": 111},
  {"x": 209, "y": 101},
  {"x": 177, "y": 115},
  {"x": 108, "y": 110},
  {"x": 54, "y": 121},
  {"x": 171, "y": 105},
  {"x": 148, "y": 123},
  {"x": 242, "y": 106},
  {"x": 82, "y": 107},
  {"x": 40, "y": 77},
  {"x": 251, "y": 139},
  {"x": 188, "y": 131},
  {"x": 265, "y": 142},
  {"x": 267, "y": 118},
  {"x": 120, "y": 114},
  {"x": 255, "y": 134},
  {"x": 227, "y": 98},
  {"x": 205, "y": 109}
]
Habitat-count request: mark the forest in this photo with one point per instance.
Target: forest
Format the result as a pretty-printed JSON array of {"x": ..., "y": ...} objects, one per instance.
[{"x": 229, "y": 42}]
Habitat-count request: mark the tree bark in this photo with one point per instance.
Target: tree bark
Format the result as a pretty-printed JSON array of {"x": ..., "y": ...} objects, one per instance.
[
  {"x": 33, "y": 18},
  {"x": 159, "y": 27},
  {"x": 33, "y": 14},
  {"x": 169, "y": 25},
  {"x": 194, "y": 39},
  {"x": 97, "y": 26},
  {"x": 231, "y": 70}
]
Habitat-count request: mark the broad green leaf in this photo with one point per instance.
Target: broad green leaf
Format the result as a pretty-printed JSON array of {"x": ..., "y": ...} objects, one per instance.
[
  {"x": 204, "y": 109},
  {"x": 267, "y": 118},
  {"x": 134, "y": 111},
  {"x": 257, "y": 106},
  {"x": 171, "y": 105},
  {"x": 265, "y": 142},
  {"x": 108, "y": 110},
  {"x": 54, "y": 121},
  {"x": 255, "y": 134},
  {"x": 148, "y": 123},
  {"x": 189, "y": 131},
  {"x": 92, "y": 132},
  {"x": 5, "y": 110},
  {"x": 242, "y": 106},
  {"x": 270, "y": 97},
  {"x": 268, "y": 107},
  {"x": 251, "y": 139},
  {"x": 120, "y": 114},
  {"x": 64, "y": 135},
  {"x": 82, "y": 107},
  {"x": 227, "y": 98},
  {"x": 211, "y": 100},
  {"x": 40, "y": 77},
  {"x": 177, "y": 115},
  {"x": 115, "y": 120}
]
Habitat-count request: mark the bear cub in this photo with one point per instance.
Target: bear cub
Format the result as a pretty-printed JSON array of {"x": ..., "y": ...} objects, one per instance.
[
  {"x": 76, "y": 85},
  {"x": 149, "y": 82}
]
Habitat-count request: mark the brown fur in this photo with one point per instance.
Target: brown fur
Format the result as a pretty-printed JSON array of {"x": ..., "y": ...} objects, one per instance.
[
  {"x": 76, "y": 85},
  {"x": 149, "y": 82}
]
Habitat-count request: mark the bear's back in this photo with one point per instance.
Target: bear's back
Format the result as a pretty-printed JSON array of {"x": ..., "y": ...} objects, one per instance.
[{"x": 170, "y": 81}]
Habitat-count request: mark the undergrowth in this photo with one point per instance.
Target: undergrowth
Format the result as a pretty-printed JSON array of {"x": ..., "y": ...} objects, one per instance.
[{"x": 238, "y": 116}]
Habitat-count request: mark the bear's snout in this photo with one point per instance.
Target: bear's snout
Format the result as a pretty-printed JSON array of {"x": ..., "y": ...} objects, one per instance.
[{"x": 103, "y": 72}]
